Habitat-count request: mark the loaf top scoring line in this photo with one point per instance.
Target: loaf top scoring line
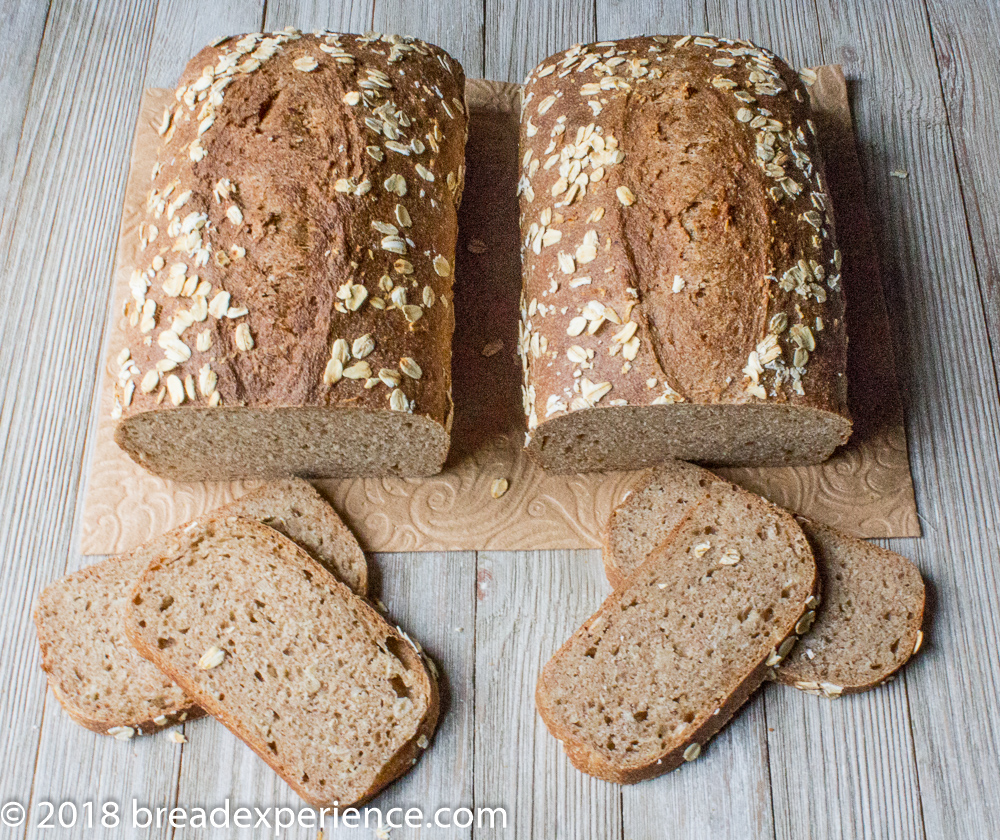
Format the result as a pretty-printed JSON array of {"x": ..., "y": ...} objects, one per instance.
[
  {"x": 682, "y": 292},
  {"x": 300, "y": 237}
]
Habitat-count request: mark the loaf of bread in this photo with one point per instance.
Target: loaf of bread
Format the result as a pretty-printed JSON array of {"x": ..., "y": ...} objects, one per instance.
[
  {"x": 94, "y": 671},
  {"x": 682, "y": 293},
  {"x": 292, "y": 312},
  {"x": 868, "y": 624},
  {"x": 669, "y": 657},
  {"x": 272, "y": 645}
]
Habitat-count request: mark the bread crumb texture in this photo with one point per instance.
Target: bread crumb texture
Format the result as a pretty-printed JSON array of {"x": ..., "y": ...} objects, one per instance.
[
  {"x": 667, "y": 659},
  {"x": 311, "y": 677}
]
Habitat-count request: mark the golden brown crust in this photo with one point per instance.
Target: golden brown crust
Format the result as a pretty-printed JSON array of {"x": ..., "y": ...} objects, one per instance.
[
  {"x": 306, "y": 192},
  {"x": 677, "y": 246}
]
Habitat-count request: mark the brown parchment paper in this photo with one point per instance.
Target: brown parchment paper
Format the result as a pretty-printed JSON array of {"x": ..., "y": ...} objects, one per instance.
[{"x": 865, "y": 488}]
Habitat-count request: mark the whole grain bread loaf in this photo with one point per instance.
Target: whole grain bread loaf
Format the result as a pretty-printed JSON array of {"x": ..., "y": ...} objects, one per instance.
[
  {"x": 292, "y": 312},
  {"x": 310, "y": 676},
  {"x": 669, "y": 657},
  {"x": 92, "y": 668},
  {"x": 682, "y": 293},
  {"x": 868, "y": 624}
]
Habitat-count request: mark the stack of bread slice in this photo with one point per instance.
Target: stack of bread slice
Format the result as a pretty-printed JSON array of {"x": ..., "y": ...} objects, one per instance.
[
  {"x": 256, "y": 615},
  {"x": 717, "y": 590}
]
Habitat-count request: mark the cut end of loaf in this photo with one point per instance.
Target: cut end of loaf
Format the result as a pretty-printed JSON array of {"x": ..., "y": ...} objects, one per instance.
[
  {"x": 637, "y": 437},
  {"x": 228, "y": 443}
]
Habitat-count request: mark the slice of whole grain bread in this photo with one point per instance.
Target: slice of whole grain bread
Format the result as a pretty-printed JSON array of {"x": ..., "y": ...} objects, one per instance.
[
  {"x": 868, "y": 624},
  {"x": 671, "y": 655},
  {"x": 270, "y": 643},
  {"x": 94, "y": 671}
]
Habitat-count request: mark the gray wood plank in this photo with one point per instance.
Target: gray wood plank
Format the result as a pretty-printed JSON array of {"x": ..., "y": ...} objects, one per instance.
[
  {"x": 454, "y": 25},
  {"x": 24, "y": 24},
  {"x": 145, "y": 769},
  {"x": 953, "y": 421},
  {"x": 843, "y": 768},
  {"x": 183, "y": 27},
  {"x": 525, "y": 32},
  {"x": 965, "y": 36},
  {"x": 307, "y": 15},
  {"x": 819, "y": 783},
  {"x": 57, "y": 262},
  {"x": 528, "y": 604},
  {"x": 623, "y": 19}
]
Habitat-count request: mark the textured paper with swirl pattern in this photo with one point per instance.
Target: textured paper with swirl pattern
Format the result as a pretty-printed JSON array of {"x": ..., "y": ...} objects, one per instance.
[{"x": 865, "y": 488}]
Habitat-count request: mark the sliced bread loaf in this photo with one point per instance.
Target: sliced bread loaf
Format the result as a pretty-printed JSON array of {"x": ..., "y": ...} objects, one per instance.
[
  {"x": 868, "y": 625},
  {"x": 94, "y": 671},
  {"x": 269, "y": 642},
  {"x": 686, "y": 303},
  {"x": 290, "y": 309},
  {"x": 669, "y": 657}
]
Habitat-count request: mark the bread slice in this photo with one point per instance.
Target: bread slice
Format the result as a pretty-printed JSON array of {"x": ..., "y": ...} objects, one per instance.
[
  {"x": 265, "y": 639},
  {"x": 293, "y": 507},
  {"x": 649, "y": 514},
  {"x": 670, "y": 656},
  {"x": 94, "y": 671},
  {"x": 91, "y": 667},
  {"x": 869, "y": 623}
]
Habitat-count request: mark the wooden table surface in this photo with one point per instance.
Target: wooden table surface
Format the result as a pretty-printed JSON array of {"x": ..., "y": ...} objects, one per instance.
[{"x": 915, "y": 759}]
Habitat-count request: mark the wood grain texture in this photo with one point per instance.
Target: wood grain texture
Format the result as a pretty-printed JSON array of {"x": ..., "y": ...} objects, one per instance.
[
  {"x": 528, "y": 604},
  {"x": 456, "y": 26},
  {"x": 965, "y": 38},
  {"x": 59, "y": 247},
  {"x": 524, "y": 32},
  {"x": 307, "y": 15},
  {"x": 952, "y": 418},
  {"x": 23, "y": 24}
]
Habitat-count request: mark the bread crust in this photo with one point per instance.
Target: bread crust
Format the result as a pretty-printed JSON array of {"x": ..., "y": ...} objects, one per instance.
[
  {"x": 650, "y": 292},
  {"x": 306, "y": 191}
]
